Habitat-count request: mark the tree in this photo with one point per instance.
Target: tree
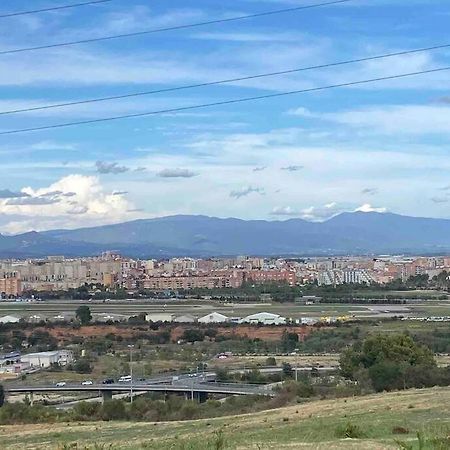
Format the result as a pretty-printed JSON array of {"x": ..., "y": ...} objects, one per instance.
[
  {"x": 114, "y": 410},
  {"x": 289, "y": 341},
  {"x": 83, "y": 314},
  {"x": 271, "y": 361},
  {"x": 391, "y": 362},
  {"x": 2, "y": 395},
  {"x": 287, "y": 370},
  {"x": 82, "y": 365},
  {"x": 192, "y": 335},
  {"x": 140, "y": 319},
  {"x": 42, "y": 341},
  {"x": 222, "y": 375}
]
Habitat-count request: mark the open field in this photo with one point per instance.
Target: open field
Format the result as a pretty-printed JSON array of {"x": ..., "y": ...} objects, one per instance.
[
  {"x": 307, "y": 426},
  {"x": 203, "y": 307}
]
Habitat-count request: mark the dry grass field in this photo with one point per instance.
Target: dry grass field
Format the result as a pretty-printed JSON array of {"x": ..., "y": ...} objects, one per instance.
[{"x": 311, "y": 425}]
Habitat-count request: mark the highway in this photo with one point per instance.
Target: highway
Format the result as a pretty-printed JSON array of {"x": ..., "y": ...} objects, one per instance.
[
  {"x": 197, "y": 385},
  {"x": 177, "y": 387}
]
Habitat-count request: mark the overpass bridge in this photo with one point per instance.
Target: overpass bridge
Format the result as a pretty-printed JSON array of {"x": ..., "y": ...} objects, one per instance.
[
  {"x": 196, "y": 386},
  {"x": 194, "y": 389}
]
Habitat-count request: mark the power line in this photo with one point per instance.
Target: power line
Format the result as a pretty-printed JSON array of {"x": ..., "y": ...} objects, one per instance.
[
  {"x": 225, "y": 102},
  {"x": 54, "y": 8},
  {"x": 229, "y": 80},
  {"x": 178, "y": 27}
]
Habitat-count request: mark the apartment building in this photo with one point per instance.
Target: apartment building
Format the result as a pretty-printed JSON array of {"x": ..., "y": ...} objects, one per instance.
[
  {"x": 228, "y": 279},
  {"x": 271, "y": 276},
  {"x": 10, "y": 287}
]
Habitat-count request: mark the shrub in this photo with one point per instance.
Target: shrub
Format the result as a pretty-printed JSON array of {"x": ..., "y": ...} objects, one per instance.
[
  {"x": 113, "y": 410},
  {"x": 349, "y": 431},
  {"x": 400, "y": 430},
  {"x": 271, "y": 361},
  {"x": 86, "y": 411},
  {"x": 82, "y": 365}
]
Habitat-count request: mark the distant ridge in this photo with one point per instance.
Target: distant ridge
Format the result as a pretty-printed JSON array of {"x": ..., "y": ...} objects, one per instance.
[{"x": 185, "y": 235}]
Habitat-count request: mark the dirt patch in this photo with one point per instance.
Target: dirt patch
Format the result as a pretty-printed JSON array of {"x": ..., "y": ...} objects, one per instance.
[
  {"x": 65, "y": 334},
  {"x": 266, "y": 333}
]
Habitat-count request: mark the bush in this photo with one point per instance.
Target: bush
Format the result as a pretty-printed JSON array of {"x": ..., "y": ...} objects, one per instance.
[
  {"x": 82, "y": 365},
  {"x": 400, "y": 430},
  {"x": 86, "y": 411},
  {"x": 301, "y": 389},
  {"x": 349, "y": 431},
  {"x": 193, "y": 335},
  {"x": 271, "y": 361},
  {"x": 113, "y": 410}
]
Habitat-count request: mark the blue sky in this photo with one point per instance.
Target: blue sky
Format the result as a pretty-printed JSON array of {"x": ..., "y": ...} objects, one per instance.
[{"x": 382, "y": 146}]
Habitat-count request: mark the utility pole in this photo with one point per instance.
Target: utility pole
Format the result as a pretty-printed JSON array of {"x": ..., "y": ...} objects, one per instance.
[{"x": 131, "y": 372}]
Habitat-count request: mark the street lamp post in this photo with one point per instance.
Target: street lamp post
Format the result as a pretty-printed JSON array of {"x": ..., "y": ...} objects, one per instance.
[{"x": 131, "y": 372}]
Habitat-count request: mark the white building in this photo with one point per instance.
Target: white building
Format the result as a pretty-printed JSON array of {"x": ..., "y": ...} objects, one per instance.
[
  {"x": 109, "y": 317},
  {"x": 187, "y": 318},
  {"x": 265, "y": 318},
  {"x": 46, "y": 359},
  {"x": 9, "y": 319},
  {"x": 160, "y": 317},
  {"x": 307, "y": 321},
  {"x": 214, "y": 317}
]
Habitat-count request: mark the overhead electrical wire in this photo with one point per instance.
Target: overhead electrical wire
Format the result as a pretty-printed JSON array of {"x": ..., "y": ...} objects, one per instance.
[
  {"x": 173, "y": 28},
  {"x": 53, "y": 8},
  {"x": 224, "y": 102},
  {"x": 225, "y": 81}
]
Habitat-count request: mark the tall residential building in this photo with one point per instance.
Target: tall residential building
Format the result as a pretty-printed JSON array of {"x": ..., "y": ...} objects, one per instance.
[{"x": 10, "y": 286}]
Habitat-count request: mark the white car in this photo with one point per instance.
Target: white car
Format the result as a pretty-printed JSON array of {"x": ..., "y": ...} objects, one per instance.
[
  {"x": 87, "y": 383},
  {"x": 125, "y": 379},
  {"x": 61, "y": 384}
]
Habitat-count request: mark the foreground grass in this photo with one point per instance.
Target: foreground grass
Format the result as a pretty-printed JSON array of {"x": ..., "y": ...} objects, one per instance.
[{"x": 307, "y": 426}]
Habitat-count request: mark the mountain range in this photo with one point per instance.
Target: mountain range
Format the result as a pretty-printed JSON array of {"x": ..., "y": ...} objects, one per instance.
[{"x": 184, "y": 235}]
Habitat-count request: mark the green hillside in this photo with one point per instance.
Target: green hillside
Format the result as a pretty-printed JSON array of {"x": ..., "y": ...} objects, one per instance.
[{"x": 378, "y": 420}]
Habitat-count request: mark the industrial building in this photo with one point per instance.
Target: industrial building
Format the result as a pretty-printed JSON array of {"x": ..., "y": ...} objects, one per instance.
[{"x": 46, "y": 359}]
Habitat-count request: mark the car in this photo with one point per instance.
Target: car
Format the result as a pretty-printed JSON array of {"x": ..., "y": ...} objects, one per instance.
[
  {"x": 125, "y": 379},
  {"x": 108, "y": 381},
  {"x": 60, "y": 384},
  {"x": 87, "y": 383}
]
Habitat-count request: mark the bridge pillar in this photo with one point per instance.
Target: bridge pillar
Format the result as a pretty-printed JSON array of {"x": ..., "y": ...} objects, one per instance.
[
  {"x": 31, "y": 398},
  {"x": 106, "y": 395},
  {"x": 197, "y": 396},
  {"x": 202, "y": 397}
]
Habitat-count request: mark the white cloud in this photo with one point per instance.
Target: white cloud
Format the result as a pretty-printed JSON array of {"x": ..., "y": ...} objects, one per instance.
[
  {"x": 390, "y": 119},
  {"x": 369, "y": 208},
  {"x": 320, "y": 213},
  {"x": 250, "y": 37},
  {"x": 52, "y": 145},
  {"x": 284, "y": 211},
  {"x": 329, "y": 210},
  {"x": 73, "y": 201}
]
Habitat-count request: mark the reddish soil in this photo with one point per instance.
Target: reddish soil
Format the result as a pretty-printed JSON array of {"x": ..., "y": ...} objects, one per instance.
[{"x": 267, "y": 333}]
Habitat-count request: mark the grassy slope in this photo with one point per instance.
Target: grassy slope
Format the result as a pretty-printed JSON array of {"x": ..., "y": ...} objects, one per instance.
[{"x": 309, "y": 426}]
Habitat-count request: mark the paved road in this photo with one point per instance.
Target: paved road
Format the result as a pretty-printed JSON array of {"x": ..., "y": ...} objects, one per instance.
[{"x": 181, "y": 386}]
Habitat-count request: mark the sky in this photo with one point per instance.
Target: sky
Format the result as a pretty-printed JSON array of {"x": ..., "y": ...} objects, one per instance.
[{"x": 381, "y": 146}]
